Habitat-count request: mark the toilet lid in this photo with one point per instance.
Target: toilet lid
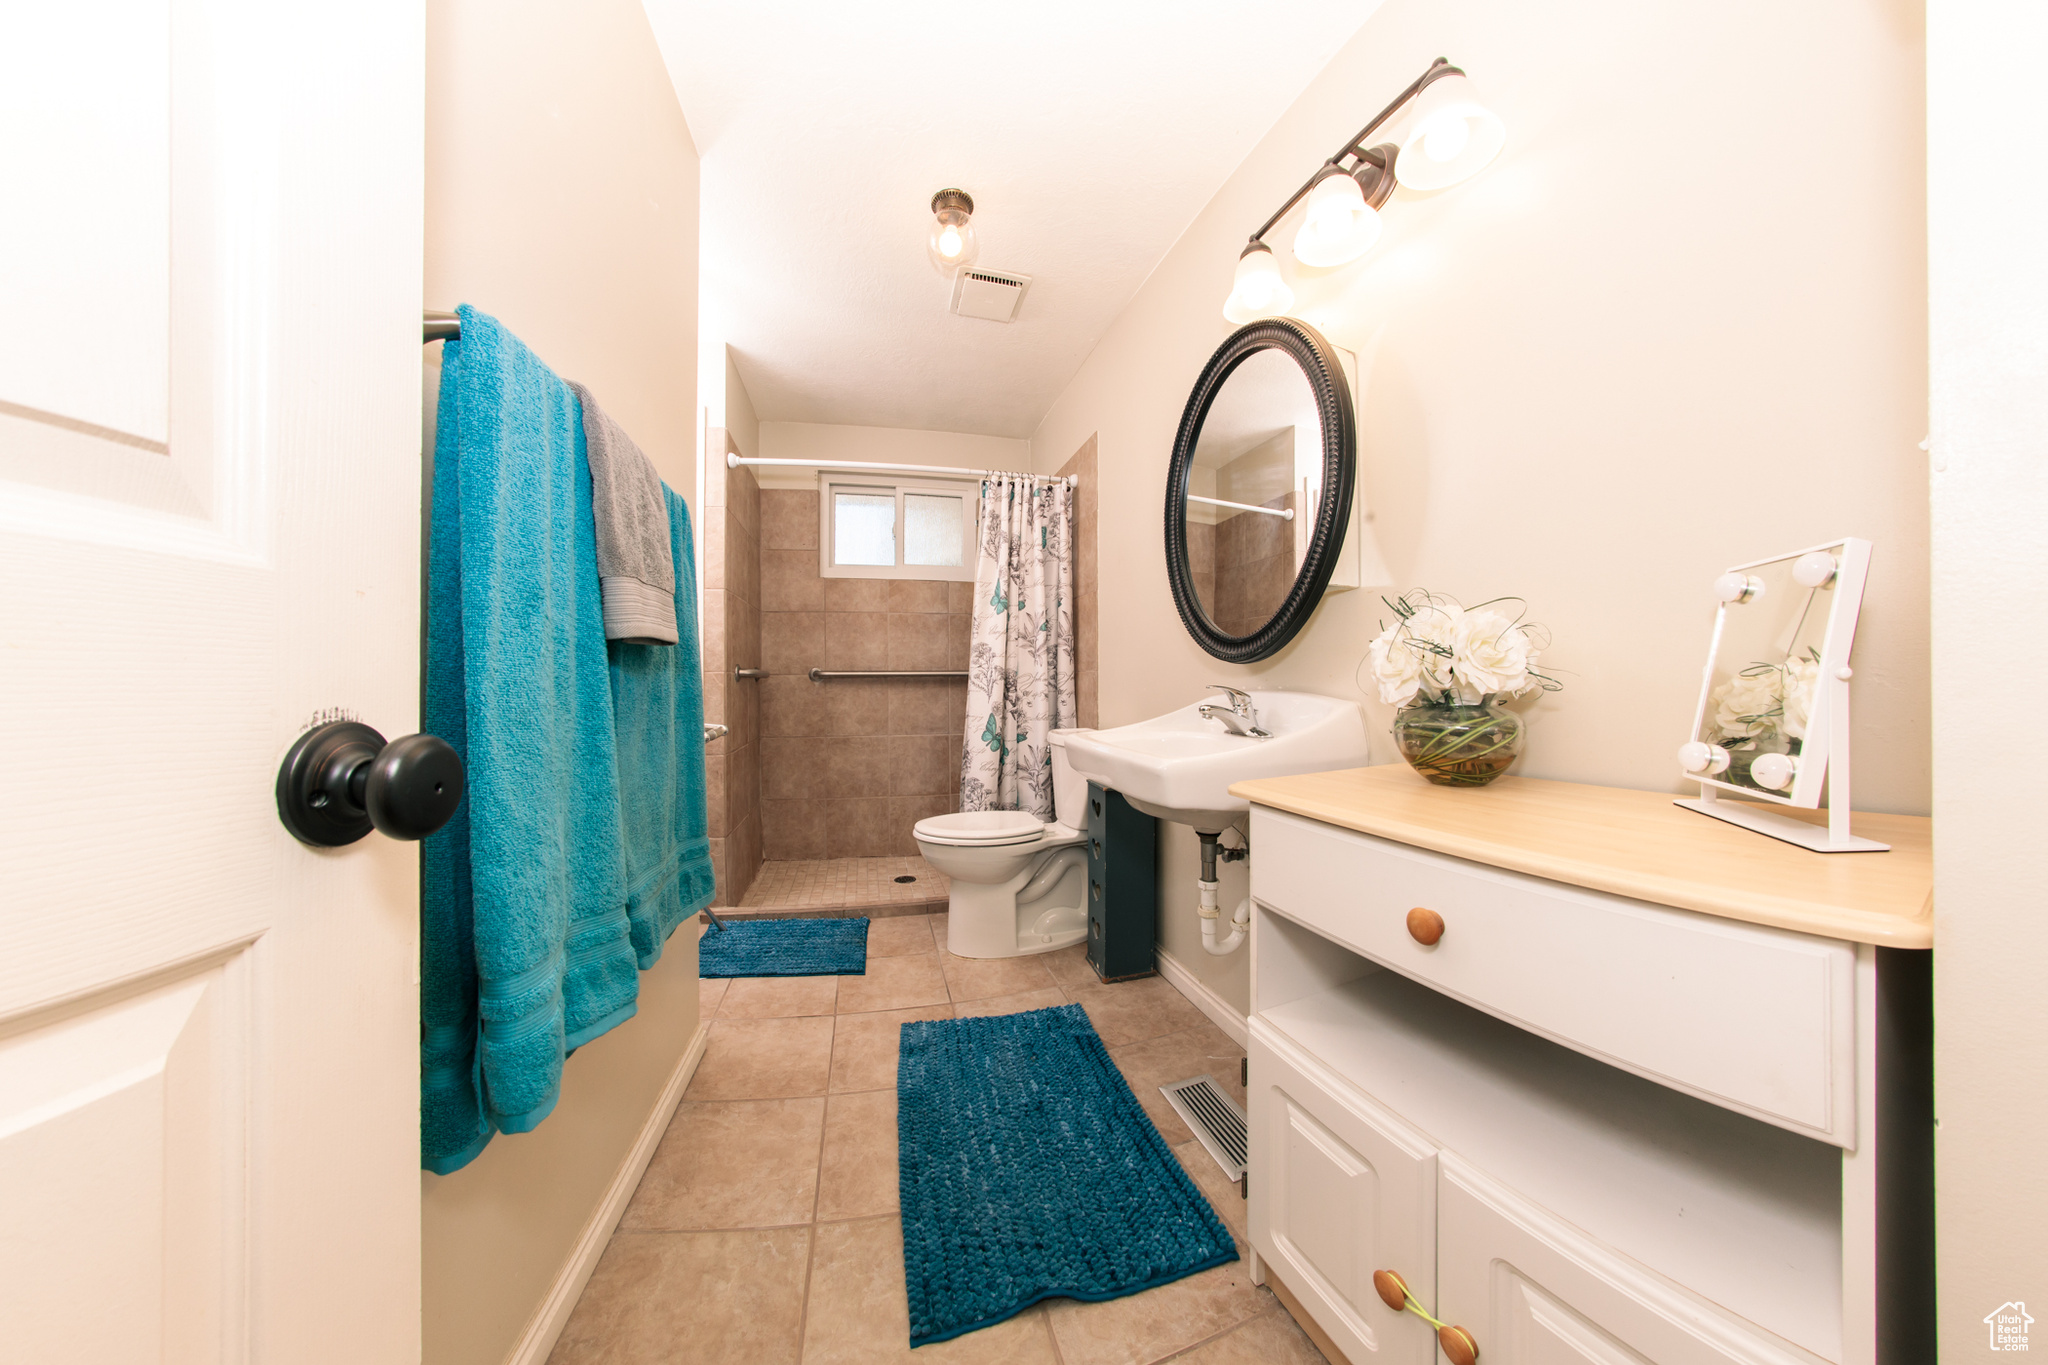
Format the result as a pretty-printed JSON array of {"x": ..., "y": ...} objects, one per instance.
[{"x": 980, "y": 827}]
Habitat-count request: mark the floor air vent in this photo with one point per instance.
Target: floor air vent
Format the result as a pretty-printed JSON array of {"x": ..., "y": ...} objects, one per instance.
[{"x": 1218, "y": 1123}]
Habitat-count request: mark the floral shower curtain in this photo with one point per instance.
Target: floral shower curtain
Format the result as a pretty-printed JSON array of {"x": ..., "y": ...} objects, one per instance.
[{"x": 1020, "y": 665}]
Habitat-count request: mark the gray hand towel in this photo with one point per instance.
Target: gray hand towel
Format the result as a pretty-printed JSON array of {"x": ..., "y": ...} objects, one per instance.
[{"x": 634, "y": 567}]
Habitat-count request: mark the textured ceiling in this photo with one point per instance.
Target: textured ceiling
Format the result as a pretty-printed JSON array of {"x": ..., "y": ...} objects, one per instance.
[{"x": 1089, "y": 132}]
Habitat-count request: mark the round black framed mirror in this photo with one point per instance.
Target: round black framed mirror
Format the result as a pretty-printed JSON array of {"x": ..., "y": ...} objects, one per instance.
[{"x": 1258, "y": 496}]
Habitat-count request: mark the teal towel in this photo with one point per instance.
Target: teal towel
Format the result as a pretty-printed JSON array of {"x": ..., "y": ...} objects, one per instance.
[
  {"x": 658, "y": 696},
  {"x": 526, "y": 946}
]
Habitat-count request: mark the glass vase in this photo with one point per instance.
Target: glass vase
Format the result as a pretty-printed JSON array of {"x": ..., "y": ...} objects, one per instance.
[{"x": 1459, "y": 746}]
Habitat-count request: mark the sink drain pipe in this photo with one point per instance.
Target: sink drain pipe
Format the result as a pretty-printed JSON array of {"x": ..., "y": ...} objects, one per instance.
[{"x": 1240, "y": 921}]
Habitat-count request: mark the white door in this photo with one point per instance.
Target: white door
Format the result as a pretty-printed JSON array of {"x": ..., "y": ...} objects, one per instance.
[{"x": 210, "y": 244}]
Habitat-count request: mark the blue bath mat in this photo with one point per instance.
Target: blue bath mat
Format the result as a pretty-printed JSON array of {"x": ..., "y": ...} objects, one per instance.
[
  {"x": 785, "y": 947},
  {"x": 1028, "y": 1171}
]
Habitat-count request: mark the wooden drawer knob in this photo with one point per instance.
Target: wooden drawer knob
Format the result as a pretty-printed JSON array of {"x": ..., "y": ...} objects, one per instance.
[
  {"x": 1458, "y": 1346},
  {"x": 1425, "y": 926},
  {"x": 1392, "y": 1289}
]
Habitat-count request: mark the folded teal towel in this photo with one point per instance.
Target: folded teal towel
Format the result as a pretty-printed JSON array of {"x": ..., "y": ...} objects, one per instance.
[
  {"x": 658, "y": 697},
  {"x": 526, "y": 946}
]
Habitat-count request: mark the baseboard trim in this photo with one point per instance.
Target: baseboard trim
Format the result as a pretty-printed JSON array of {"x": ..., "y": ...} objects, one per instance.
[
  {"x": 1202, "y": 998},
  {"x": 553, "y": 1314}
]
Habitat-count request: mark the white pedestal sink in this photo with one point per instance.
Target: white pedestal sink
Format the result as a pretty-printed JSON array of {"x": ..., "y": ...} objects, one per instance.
[{"x": 1179, "y": 766}]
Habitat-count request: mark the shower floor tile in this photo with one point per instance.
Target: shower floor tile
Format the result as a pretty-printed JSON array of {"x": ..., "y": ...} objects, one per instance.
[
  {"x": 766, "y": 1228},
  {"x": 842, "y": 886}
]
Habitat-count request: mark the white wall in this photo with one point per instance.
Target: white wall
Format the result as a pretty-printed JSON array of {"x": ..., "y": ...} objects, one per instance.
[
  {"x": 738, "y": 416},
  {"x": 1680, "y": 323},
  {"x": 562, "y": 198},
  {"x": 1988, "y": 320},
  {"x": 883, "y": 445}
]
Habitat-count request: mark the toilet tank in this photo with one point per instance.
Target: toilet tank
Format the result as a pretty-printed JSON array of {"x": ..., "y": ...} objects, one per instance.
[{"x": 1069, "y": 788}]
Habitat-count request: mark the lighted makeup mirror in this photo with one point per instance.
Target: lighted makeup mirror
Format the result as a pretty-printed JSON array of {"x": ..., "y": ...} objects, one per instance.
[{"x": 1772, "y": 723}]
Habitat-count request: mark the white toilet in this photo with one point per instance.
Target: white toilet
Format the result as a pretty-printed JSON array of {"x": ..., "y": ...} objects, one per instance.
[{"x": 1019, "y": 885}]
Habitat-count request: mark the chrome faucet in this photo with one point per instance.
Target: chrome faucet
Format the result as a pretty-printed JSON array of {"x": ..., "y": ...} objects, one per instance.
[{"x": 1239, "y": 717}]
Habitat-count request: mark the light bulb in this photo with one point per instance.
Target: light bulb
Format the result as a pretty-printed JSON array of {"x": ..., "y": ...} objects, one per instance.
[
  {"x": 1339, "y": 227},
  {"x": 1445, "y": 138},
  {"x": 1816, "y": 569},
  {"x": 951, "y": 244},
  {"x": 1733, "y": 587},
  {"x": 1775, "y": 771},
  {"x": 1701, "y": 757},
  {"x": 1332, "y": 203},
  {"x": 1258, "y": 291},
  {"x": 1450, "y": 135}
]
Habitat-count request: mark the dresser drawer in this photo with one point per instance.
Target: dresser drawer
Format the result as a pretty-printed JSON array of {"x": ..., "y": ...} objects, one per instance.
[{"x": 1758, "y": 1020}]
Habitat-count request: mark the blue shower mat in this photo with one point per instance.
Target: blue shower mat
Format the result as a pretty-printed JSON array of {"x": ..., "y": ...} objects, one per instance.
[
  {"x": 785, "y": 947},
  {"x": 1028, "y": 1171}
]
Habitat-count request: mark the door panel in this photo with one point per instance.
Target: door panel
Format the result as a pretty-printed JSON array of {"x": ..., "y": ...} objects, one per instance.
[
  {"x": 121, "y": 1140},
  {"x": 209, "y": 534},
  {"x": 1539, "y": 1330},
  {"x": 1341, "y": 1188},
  {"x": 1534, "y": 1290}
]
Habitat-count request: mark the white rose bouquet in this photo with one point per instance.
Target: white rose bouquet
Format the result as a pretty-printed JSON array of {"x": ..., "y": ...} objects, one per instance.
[
  {"x": 1446, "y": 666},
  {"x": 1766, "y": 700},
  {"x": 1438, "y": 653}
]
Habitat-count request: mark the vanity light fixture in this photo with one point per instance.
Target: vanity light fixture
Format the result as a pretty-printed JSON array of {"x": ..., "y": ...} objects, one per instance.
[
  {"x": 1448, "y": 137},
  {"x": 951, "y": 243},
  {"x": 1258, "y": 291}
]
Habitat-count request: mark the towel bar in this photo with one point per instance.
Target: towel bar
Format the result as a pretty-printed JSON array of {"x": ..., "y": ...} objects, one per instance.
[
  {"x": 825, "y": 675},
  {"x": 750, "y": 672}
]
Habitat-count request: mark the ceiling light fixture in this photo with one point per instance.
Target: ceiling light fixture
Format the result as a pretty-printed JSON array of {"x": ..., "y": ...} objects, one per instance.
[
  {"x": 1448, "y": 136},
  {"x": 951, "y": 242}
]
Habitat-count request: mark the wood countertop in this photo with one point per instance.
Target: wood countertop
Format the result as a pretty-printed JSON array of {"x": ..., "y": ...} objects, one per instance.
[{"x": 1639, "y": 844}]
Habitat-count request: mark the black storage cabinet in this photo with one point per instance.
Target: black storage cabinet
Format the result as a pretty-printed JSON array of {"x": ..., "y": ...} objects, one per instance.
[{"x": 1123, "y": 890}]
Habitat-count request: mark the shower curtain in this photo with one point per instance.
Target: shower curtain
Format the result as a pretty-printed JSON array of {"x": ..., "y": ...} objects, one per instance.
[{"x": 1020, "y": 665}]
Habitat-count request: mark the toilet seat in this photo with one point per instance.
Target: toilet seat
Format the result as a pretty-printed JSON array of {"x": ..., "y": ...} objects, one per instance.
[{"x": 980, "y": 828}]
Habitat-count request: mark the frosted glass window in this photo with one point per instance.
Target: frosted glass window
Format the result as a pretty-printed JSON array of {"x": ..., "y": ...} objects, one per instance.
[
  {"x": 864, "y": 528},
  {"x": 932, "y": 528}
]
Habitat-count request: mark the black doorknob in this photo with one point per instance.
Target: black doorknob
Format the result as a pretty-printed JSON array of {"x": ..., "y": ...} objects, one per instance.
[{"x": 341, "y": 780}]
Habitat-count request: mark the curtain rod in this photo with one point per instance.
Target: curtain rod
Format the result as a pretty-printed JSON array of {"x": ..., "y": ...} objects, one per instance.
[
  {"x": 738, "y": 461},
  {"x": 447, "y": 326},
  {"x": 1284, "y": 513}
]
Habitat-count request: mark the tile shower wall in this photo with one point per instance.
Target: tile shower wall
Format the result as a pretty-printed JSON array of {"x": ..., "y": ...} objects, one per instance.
[
  {"x": 1081, "y": 467},
  {"x": 846, "y": 768},
  {"x": 1254, "y": 565},
  {"x": 732, "y": 639}
]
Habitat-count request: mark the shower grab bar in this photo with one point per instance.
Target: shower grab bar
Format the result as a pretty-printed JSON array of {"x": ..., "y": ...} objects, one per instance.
[
  {"x": 713, "y": 730},
  {"x": 1284, "y": 513},
  {"x": 750, "y": 672},
  {"x": 825, "y": 675}
]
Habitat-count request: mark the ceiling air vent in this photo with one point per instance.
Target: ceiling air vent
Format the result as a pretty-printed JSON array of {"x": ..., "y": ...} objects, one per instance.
[{"x": 989, "y": 294}]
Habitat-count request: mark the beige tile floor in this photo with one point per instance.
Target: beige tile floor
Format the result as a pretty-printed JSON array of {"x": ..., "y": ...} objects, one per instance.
[
  {"x": 766, "y": 1229},
  {"x": 843, "y": 886}
]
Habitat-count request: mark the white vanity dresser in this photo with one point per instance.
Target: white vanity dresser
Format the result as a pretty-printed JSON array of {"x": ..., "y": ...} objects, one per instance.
[{"x": 1600, "y": 1079}]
